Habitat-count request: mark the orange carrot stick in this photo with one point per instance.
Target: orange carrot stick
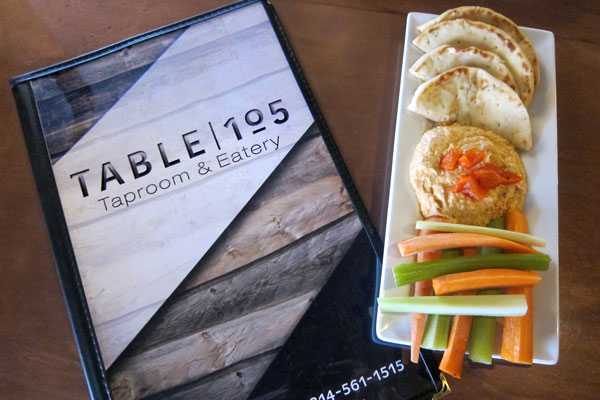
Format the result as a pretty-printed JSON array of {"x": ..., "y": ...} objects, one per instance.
[
  {"x": 452, "y": 360},
  {"x": 450, "y": 240},
  {"x": 517, "y": 333},
  {"x": 483, "y": 279},
  {"x": 422, "y": 288},
  {"x": 515, "y": 221},
  {"x": 418, "y": 320}
]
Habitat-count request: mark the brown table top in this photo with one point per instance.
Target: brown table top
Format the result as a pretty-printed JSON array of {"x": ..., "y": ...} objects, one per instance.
[{"x": 351, "y": 53}]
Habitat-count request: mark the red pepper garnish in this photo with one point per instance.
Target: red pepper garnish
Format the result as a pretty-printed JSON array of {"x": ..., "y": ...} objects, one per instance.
[
  {"x": 476, "y": 184},
  {"x": 491, "y": 176},
  {"x": 487, "y": 178},
  {"x": 449, "y": 160},
  {"x": 468, "y": 185},
  {"x": 510, "y": 177},
  {"x": 471, "y": 158}
]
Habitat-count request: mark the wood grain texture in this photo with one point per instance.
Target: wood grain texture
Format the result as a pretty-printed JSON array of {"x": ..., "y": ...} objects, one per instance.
[
  {"x": 280, "y": 213},
  {"x": 70, "y": 103},
  {"x": 351, "y": 52},
  {"x": 212, "y": 349},
  {"x": 301, "y": 267},
  {"x": 232, "y": 383}
]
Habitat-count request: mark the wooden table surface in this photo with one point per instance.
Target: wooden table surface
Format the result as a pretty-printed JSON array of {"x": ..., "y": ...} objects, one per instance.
[{"x": 351, "y": 53}]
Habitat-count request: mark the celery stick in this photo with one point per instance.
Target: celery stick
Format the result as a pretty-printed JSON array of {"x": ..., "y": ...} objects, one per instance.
[
  {"x": 483, "y": 335},
  {"x": 436, "y": 333},
  {"x": 482, "y": 338},
  {"x": 414, "y": 272},
  {"x": 510, "y": 235},
  {"x": 500, "y": 305},
  {"x": 497, "y": 223},
  {"x": 437, "y": 328}
]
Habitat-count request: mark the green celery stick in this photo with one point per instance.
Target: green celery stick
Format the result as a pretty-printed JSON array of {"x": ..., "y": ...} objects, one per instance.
[
  {"x": 483, "y": 335},
  {"x": 500, "y": 305},
  {"x": 437, "y": 328},
  {"x": 510, "y": 235},
  {"x": 414, "y": 272},
  {"x": 436, "y": 333},
  {"x": 497, "y": 223}
]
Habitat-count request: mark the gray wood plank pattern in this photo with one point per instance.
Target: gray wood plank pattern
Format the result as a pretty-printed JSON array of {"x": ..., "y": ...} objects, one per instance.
[
  {"x": 305, "y": 194},
  {"x": 232, "y": 383},
  {"x": 214, "y": 348},
  {"x": 298, "y": 268},
  {"x": 71, "y": 102}
]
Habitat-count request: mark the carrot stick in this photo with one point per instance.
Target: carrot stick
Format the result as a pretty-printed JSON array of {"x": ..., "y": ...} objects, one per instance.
[
  {"x": 417, "y": 328},
  {"x": 452, "y": 360},
  {"x": 483, "y": 279},
  {"x": 422, "y": 288},
  {"x": 515, "y": 221},
  {"x": 517, "y": 333},
  {"x": 450, "y": 240}
]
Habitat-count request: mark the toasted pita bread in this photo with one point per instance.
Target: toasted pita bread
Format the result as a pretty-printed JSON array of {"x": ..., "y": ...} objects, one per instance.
[
  {"x": 447, "y": 57},
  {"x": 471, "y": 96},
  {"x": 498, "y": 20},
  {"x": 464, "y": 33}
]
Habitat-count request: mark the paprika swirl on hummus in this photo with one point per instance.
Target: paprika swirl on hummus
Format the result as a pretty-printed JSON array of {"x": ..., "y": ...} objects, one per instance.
[{"x": 435, "y": 186}]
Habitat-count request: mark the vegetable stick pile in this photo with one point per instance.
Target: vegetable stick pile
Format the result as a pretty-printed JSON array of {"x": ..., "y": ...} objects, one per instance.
[{"x": 458, "y": 298}]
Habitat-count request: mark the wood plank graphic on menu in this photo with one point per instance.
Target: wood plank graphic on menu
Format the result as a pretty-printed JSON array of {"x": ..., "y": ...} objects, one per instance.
[
  {"x": 149, "y": 188},
  {"x": 194, "y": 155}
]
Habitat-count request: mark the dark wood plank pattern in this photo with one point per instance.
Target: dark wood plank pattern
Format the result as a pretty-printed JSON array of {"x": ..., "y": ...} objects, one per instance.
[
  {"x": 212, "y": 349},
  {"x": 280, "y": 213},
  {"x": 350, "y": 51},
  {"x": 302, "y": 266},
  {"x": 71, "y": 102},
  {"x": 232, "y": 383},
  {"x": 105, "y": 69}
]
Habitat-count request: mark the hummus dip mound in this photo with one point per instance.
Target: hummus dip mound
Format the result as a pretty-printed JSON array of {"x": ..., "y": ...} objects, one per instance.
[{"x": 433, "y": 184}]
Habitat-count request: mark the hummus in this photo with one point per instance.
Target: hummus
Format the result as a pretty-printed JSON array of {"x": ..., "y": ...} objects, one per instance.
[{"x": 433, "y": 185}]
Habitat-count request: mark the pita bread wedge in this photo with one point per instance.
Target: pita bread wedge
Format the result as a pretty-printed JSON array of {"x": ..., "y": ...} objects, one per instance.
[
  {"x": 471, "y": 96},
  {"x": 464, "y": 33},
  {"x": 498, "y": 20},
  {"x": 447, "y": 57}
]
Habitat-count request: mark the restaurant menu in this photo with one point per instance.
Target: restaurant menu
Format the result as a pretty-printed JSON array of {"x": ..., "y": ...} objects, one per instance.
[{"x": 208, "y": 238}]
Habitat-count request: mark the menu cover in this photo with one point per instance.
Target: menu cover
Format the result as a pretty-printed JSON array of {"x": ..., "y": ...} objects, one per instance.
[{"x": 208, "y": 238}]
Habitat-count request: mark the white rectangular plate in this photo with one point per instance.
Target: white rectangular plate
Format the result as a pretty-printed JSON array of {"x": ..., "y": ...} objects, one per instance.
[{"x": 541, "y": 205}]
